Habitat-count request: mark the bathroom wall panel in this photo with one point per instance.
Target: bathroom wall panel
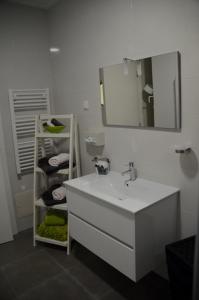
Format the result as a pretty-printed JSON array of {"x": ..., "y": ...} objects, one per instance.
[
  {"x": 92, "y": 34},
  {"x": 25, "y": 64}
]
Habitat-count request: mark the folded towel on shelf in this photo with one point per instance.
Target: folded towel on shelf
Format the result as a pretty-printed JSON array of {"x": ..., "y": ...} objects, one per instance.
[
  {"x": 55, "y": 122},
  {"x": 55, "y": 218},
  {"x": 49, "y": 123},
  {"x": 48, "y": 197},
  {"x": 55, "y": 161},
  {"x": 52, "y": 123},
  {"x": 44, "y": 165},
  {"x": 53, "y": 232},
  {"x": 59, "y": 193}
]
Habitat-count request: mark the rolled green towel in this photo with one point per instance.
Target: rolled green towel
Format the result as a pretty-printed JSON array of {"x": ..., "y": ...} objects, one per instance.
[
  {"x": 53, "y": 232},
  {"x": 54, "y": 218}
]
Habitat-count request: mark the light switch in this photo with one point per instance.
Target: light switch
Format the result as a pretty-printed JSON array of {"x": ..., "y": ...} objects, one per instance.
[
  {"x": 23, "y": 187},
  {"x": 85, "y": 105}
]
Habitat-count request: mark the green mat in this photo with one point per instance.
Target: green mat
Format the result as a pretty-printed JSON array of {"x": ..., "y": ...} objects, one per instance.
[
  {"x": 53, "y": 232},
  {"x": 54, "y": 218}
]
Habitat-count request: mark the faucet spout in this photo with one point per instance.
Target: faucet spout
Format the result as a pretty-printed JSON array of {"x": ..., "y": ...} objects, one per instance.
[
  {"x": 126, "y": 182},
  {"x": 125, "y": 172},
  {"x": 131, "y": 171}
]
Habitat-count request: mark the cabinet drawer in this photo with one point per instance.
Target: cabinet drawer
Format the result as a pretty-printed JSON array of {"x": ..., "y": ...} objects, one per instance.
[
  {"x": 113, "y": 252},
  {"x": 110, "y": 219}
]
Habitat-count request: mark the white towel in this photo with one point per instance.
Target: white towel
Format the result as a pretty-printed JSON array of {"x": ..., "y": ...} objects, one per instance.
[
  {"x": 59, "y": 193},
  {"x": 50, "y": 124},
  {"x": 102, "y": 163},
  {"x": 58, "y": 159}
]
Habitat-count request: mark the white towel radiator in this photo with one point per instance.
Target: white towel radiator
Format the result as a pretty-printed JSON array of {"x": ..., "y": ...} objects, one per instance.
[{"x": 24, "y": 105}]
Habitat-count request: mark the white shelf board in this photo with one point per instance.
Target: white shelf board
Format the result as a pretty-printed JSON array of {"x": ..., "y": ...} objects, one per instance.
[
  {"x": 53, "y": 135},
  {"x": 40, "y": 203},
  {"x": 39, "y": 170},
  {"x": 51, "y": 241},
  {"x": 65, "y": 171}
]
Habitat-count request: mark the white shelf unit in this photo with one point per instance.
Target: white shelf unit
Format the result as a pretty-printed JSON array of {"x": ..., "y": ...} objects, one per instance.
[
  {"x": 50, "y": 241},
  {"x": 42, "y": 145}
]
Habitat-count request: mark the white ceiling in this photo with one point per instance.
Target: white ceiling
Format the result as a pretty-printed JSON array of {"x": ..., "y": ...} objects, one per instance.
[{"x": 36, "y": 3}]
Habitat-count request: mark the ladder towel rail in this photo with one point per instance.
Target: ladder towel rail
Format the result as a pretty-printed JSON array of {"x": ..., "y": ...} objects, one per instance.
[{"x": 24, "y": 105}]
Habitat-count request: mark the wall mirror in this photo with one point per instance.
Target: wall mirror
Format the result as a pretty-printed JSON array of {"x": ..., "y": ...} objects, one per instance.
[{"x": 142, "y": 93}]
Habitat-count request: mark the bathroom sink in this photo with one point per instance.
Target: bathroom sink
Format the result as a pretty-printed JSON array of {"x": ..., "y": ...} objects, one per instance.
[{"x": 111, "y": 188}]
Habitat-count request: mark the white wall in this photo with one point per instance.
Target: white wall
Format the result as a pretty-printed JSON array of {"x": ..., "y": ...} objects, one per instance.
[
  {"x": 94, "y": 33},
  {"x": 24, "y": 63}
]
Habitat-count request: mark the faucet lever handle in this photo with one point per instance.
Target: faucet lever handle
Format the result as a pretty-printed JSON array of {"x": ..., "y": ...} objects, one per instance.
[{"x": 130, "y": 164}]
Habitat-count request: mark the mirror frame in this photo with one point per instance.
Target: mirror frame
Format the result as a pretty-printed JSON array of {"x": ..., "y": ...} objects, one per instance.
[{"x": 103, "y": 99}]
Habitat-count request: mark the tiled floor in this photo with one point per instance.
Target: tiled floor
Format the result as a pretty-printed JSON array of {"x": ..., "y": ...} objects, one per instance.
[{"x": 46, "y": 272}]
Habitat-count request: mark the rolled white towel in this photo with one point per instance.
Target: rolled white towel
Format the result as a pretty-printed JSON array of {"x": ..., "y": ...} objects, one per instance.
[
  {"x": 58, "y": 159},
  {"x": 103, "y": 164},
  {"x": 50, "y": 124},
  {"x": 59, "y": 193}
]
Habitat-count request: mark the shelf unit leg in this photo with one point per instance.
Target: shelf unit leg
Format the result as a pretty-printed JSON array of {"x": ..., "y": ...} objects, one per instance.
[
  {"x": 69, "y": 245},
  {"x": 34, "y": 243}
]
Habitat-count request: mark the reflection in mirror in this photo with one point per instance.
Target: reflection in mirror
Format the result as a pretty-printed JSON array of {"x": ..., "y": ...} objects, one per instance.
[{"x": 142, "y": 93}]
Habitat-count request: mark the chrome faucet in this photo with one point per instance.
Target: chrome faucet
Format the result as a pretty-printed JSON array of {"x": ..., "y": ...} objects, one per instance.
[{"x": 131, "y": 171}]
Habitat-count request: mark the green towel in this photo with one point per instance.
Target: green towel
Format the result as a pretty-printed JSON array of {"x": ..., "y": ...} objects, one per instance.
[
  {"x": 53, "y": 232},
  {"x": 54, "y": 218}
]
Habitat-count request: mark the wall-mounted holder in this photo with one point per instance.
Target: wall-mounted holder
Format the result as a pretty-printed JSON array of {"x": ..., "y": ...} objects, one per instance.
[
  {"x": 182, "y": 149},
  {"x": 95, "y": 138}
]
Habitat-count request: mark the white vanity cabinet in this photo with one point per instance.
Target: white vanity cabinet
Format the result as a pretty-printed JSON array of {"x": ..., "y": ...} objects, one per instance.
[{"x": 130, "y": 239}]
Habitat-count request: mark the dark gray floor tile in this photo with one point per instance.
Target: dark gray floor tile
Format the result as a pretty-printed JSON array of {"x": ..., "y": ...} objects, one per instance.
[
  {"x": 146, "y": 289},
  {"x": 79, "y": 255},
  {"x": 62, "y": 287},
  {"x": 113, "y": 295},
  {"x": 79, "y": 264},
  {"x": 30, "y": 271},
  {"x": 6, "y": 291},
  {"x": 87, "y": 268},
  {"x": 59, "y": 254},
  {"x": 90, "y": 280},
  {"x": 151, "y": 287},
  {"x": 106, "y": 275},
  {"x": 21, "y": 246}
]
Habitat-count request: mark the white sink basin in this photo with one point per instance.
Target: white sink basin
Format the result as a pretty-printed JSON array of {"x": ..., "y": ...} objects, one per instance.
[{"x": 111, "y": 188}]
